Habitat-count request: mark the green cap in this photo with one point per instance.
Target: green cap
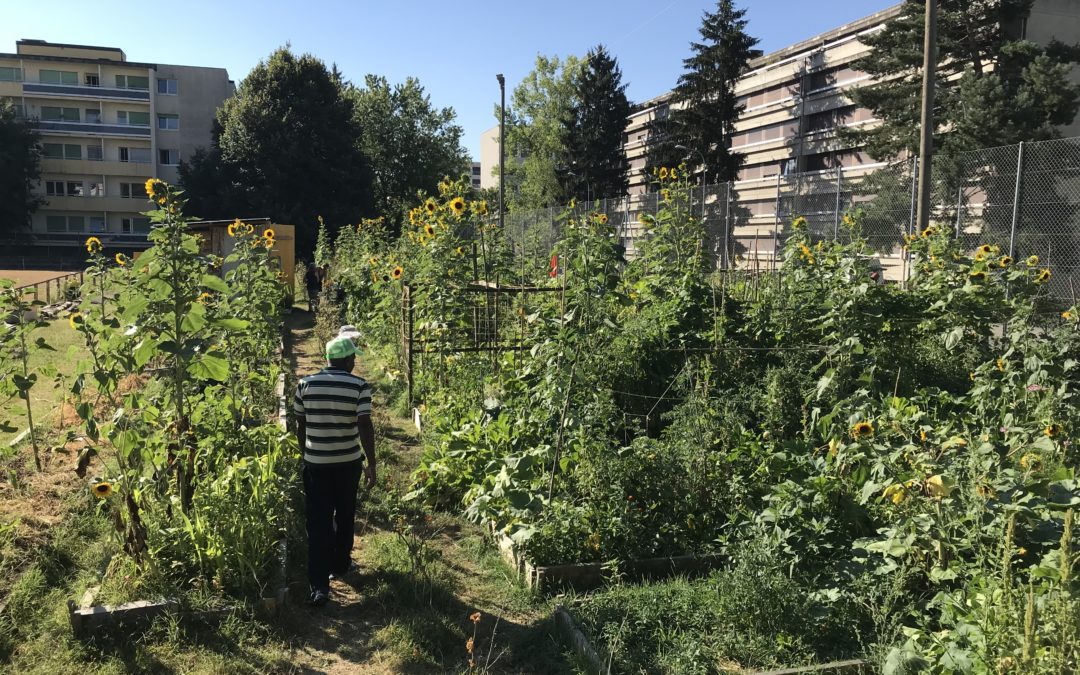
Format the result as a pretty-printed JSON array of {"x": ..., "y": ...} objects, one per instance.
[{"x": 340, "y": 348}]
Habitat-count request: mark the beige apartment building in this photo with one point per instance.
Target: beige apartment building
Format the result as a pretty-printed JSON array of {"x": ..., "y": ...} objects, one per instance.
[{"x": 106, "y": 124}]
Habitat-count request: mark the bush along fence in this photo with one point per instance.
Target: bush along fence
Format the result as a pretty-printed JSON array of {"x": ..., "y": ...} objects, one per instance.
[
  {"x": 1023, "y": 198},
  {"x": 905, "y": 452},
  {"x": 177, "y": 399}
]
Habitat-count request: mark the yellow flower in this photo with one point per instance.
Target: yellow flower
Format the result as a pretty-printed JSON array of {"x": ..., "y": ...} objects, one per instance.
[
  {"x": 429, "y": 230},
  {"x": 155, "y": 189},
  {"x": 102, "y": 490},
  {"x": 475, "y": 617},
  {"x": 460, "y": 250},
  {"x": 1043, "y": 276},
  {"x": 922, "y": 435},
  {"x": 663, "y": 173},
  {"x": 603, "y": 218},
  {"x": 1031, "y": 461},
  {"x": 895, "y": 493},
  {"x": 985, "y": 491},
  {"x": 469, "y": 645},
  {"x": 75, "y": 320},
  {"x": 269, "y": 242},
  {"x": 121, "y": 259},
  {"x": 834, "y": 445},
  {"x": 848, "y": 220},
  {"x": 423, "y": 239},
  {"x": 938, "y": 486},
  {"x": 1067, "y": 315},
  {"x": 430, "y": 205},
  {"x": 373, "y": 261},
  {"x": 862, "y": 429},
  {"x": 482, "y": 208},
  {"x": 1005, "y": 261},
  {"x": 799, "y": 221},
  {"x": 928, "y": 232},
  {"x": 412, "y": 216},
  {"x": 978, "y": 275},
  {"x": 397, "y": 272},
  {"x": 674, "y": 174},
  {"x": 233, "y": 227},
  {"x": 1033, "y": 261},
  {"x": 269, "y": 233},
  {"x": 457, "y": 205},
  {"x": 93, "y": 245},
  {"x": 203, "y": 297},
  {"x": 1052, "y": 430},
  {"x": 980, "y": 256},
  {"x": 665, "y": 194},
  {"x": 1001, "y": 364},
  {"x": 985, "y": 249},
  {"x": 444, "y": 187}
]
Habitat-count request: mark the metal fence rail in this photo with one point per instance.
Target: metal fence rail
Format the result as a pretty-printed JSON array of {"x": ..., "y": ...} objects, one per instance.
[{"x": 1024, "y": 198}]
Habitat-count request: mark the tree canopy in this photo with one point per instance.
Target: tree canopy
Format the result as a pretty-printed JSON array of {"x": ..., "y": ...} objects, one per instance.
[{"x": 20, "y": 159}]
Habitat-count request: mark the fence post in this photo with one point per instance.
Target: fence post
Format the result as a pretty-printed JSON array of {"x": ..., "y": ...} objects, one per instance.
[
  {"x": 409, "y": 343},
  {"x": 959, "y": 207},
  {"x": 727, "y": 225},
  {"x": 836, "y": 210},
  {"x": 1016, "y": 199},
  {"x": 776, "y": 220},
  {"x": 905, "y": 253}
]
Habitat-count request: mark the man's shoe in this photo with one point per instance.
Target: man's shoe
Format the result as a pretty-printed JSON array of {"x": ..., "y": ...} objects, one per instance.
[
  {"x": 318, "y": 598},
  {"x": 340, "y": 575}
]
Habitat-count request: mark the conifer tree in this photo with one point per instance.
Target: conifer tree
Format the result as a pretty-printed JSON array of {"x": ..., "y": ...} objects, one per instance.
[
  {"x": 594, "y": 130},
  {"x": 703, "y": 105}
]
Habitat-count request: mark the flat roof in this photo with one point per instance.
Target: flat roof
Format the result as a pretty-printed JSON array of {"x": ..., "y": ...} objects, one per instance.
[{"x": 45, "y": 43}]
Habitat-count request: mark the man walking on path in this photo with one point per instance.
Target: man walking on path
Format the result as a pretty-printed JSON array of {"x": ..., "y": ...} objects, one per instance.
[{"x": 333, "y": 424}]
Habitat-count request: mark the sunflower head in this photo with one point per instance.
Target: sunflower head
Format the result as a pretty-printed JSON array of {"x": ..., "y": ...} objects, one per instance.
[
  {"x": 895, "y": 493},
  {"x": 980, "y": 256},
  {"x": 423, "y": 239},
  {"x": 602, "y": 218},
  {"x": 1043, "y": 276},
  {"x": 75, "y": 320},
  {"x": 373, "y": 261},
  {"x": 429, "y": 230},
  {"x": 93, "y": 245},
  {"x": 1052, "y": 430},
  {"x": 269, "y": 233},
  {"x": 978, "y": 275},
  {"x": 397, "y": 272},
  {"x": 430, "y": 206},
  {"x": 928, "y": 232},
  {"x": 1000, "y": 364},
  {"x": 674, "y": 174},
  {"x": 663, "y": 173},
  {"x": 1032, "y": 261},
  {"x": 156, "y": 190},
  {"x": 1031, "y": 461},
  {"x": 457, "y": 205},
  {"x": 482, "y": 208},
  {"x": 234, "y": 227},
  {"x": 985, "y": 249},
  {"x": 121, "y": 259},
  {"x": 460, "y": 250},
  {"x": 1005, "y": 261},
  {"x": 102, "y": 490},
  {"x": 862, "y": 430},
  {"x": 1067, "y": 315}
]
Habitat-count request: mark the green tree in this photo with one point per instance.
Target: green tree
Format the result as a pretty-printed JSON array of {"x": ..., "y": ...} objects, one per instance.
[
  {"x": 594, "y": 130},
  {"x": 409, "y": 144},
  {"x": 287, "y": 149},
  {"x": 20, "y": 159},
  {"x": 703, "y": 104},
  {"x": 992, "y": 87},
  {"x": 541, "y": 107}
]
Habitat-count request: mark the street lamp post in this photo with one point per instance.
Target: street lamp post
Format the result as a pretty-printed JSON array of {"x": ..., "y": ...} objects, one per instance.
[
  {"x": 926, "y": 141},
  {"x": 502, "y": 149}
]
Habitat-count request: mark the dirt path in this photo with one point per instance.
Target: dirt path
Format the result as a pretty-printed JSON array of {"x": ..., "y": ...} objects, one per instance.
[{"x": 410, "y": 613}]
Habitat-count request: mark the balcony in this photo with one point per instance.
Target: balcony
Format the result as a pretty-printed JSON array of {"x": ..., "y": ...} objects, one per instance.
[
  {"x": 75, "y": 91},
  {"x": 95, "y": 204},
  {"x": 97, "y": 168},
  {"x": 84, "y": 129}
]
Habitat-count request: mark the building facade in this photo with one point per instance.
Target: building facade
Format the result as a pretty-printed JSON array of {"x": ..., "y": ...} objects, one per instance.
[
  {"x": 106, "y": 124},
  {"x": 475, "y": 177}
]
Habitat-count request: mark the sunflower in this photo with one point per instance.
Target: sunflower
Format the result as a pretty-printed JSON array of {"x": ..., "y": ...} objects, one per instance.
[
  {"x": 75, "y": 320},
  {"x": 922, "y": 435},
  {"x": 412, "y": 216},
  {"x": 423, "y": 239},
  {"x": 674, "y": 174},
  {"x": 985, "y": 249},
  {"x": 233, "y": 226},
  {"x": 269, "y": 233},
  {"x": 603, "y": 218},
  {"x": 155, "y": 189},
  {"x": 1043, "y": 276},
  {"x": 1052, "y": 430},
  {"x": 93, "y": 245},
  {"x": 980, "y": 256},
  {"x": 429, "y": 230},
  {"x": 373, "y": 261},
  {"x": 247, "y": 228},
  {"x": 985, "y": 491},
  {"x": 665, "y": 194},
  {"x": 862, "y": 429},
  {"x": 848, "y": 220},
  {"x": 269, "y": 243},
  {"x": 457, "y": 205},
  {"x": 663, "y": 173},
  {"x": 1067, "y": 315},
  {"x": 475, "y": 617},
  {"x": 121, "y": 259},
  {"x": 938, "y": 486},
  {"x": 482, "y": 208},
  {"x": 928, "y": 232},
  {"x": 798, "y": 222},
  {"x": 102, "y": 490},
  {"x": 1001, "y": 364},
  {"x": 459, "y": 250},
  {"x": 1032, "y": 261},
  {"x": 978, "y": 275},
  {"x": 1031, "y": 461},
  {"x": 430, "y": 205},
  {"x": 203, "y": 297},
  {"x": 397, "y": 272},
  {"x": 1005, "y": 261},
  {"x": 895, "y": 493}
]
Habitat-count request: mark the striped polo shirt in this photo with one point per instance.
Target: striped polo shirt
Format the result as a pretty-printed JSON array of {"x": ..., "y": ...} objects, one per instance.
[{"x": 330, "y": 401}]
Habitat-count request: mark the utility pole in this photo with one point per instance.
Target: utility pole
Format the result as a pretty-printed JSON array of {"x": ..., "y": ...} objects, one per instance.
[
  {"x": 926, "y": 142},
  {"x": 502, "y": 150}
]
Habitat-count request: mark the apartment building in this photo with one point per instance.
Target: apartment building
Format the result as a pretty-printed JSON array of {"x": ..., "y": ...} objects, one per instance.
[
  {"x": 106, "y": 124},
  {"x": 474, "y": 175}
]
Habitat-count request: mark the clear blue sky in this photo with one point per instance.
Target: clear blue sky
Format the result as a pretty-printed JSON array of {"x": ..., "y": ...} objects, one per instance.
[{"x": 454, "y": 48}]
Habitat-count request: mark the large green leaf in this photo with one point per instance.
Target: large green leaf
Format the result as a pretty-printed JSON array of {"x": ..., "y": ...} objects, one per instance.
[
  {"x": 215, "y": 283},
  {"x": 209, "y": 367}
]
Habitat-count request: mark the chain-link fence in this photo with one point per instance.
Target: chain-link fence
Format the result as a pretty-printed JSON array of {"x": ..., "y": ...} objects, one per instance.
[{"x": 1024, "y": 198}]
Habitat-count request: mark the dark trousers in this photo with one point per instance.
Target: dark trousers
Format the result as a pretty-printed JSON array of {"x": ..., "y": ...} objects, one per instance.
[{"x": 330, "y": 502}]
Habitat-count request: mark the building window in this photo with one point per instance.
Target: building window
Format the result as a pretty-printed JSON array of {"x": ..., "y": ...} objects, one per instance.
[
  {"x": 133, "y": 82},
  {"x": 97, "y": 189},
  {"x": 72, "y": 151},
  {"x": 56, "y": 114},
  {"x": 169, "y": 157},
  {"x": 94, "y": 153},
  {"x": 9, "y": 74},
  {"x": 54, "y": 188},
  {"x": 61, "y": 151},
  {"x": 91, "y": 80},
  {"x": 68, "y": 77},
  {"x": 135, "y": 225},
  {"x": 76, "y": 224},
  {"x": 55, "y": 223},
  {"x": 97, "y": 224},
  {"x": 133, "y": 118},
  {"x": 93, "y": 116},
  {"x": 167, "y": 87},
  {"x": 135, "y": 155},
  {"x": 132, "y": 191},
  {"x": 170, "y": 122}
]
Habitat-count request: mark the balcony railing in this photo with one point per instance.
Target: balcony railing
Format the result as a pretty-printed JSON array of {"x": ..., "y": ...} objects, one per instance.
[
  {"x": 82, "y": 90},
  {"x": 85, "y": 128}
]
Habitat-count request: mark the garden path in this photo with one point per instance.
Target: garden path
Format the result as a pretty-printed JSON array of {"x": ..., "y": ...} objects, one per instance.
[{"x": 390, "y": 616}]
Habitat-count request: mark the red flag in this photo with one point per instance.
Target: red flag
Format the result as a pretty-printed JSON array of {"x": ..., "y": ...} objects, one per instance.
[{"x": 554, "y": 266}]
